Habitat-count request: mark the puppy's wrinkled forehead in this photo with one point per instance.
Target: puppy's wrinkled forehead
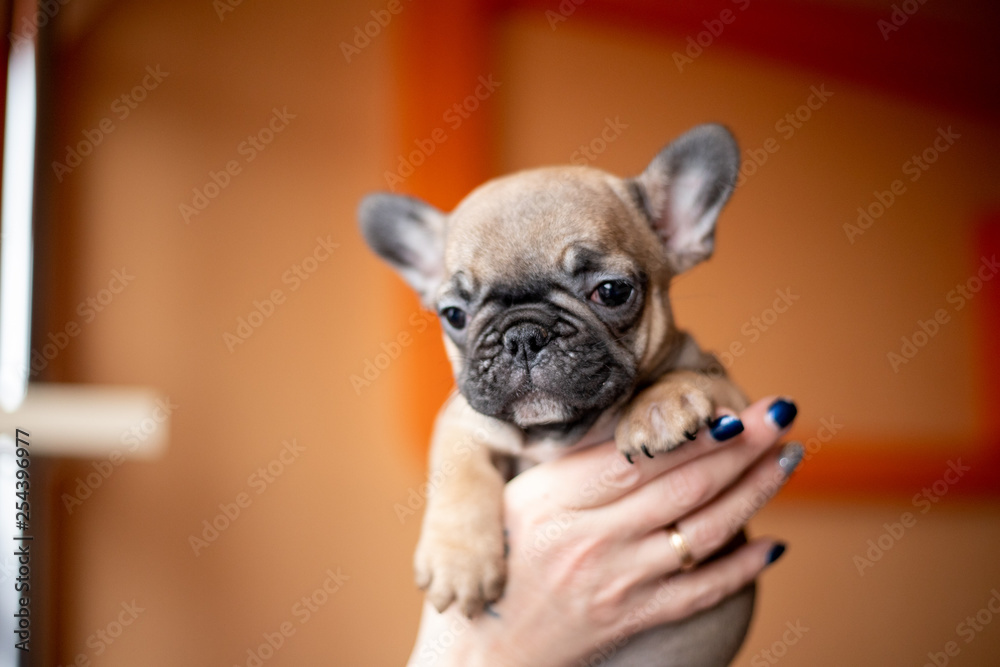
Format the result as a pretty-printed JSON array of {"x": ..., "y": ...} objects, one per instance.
[
  {"x": 541, "y": 228},
  {"x": 547, "y": 220}
]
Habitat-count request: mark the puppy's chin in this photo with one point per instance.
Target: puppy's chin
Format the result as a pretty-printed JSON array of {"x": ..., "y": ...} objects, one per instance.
[{"x": 538, "y": 409}]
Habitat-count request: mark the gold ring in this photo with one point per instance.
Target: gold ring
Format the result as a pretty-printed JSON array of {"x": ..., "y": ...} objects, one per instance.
[{"x": 681, "y": 546}]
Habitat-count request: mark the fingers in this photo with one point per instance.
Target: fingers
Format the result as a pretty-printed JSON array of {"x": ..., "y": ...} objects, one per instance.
[
  {"x": 682, "y": 595},
  {"x": 681, "y": 490},
  {"x": 713, "y": 526},
  {"x": 755, "y": 429},
  {"x": 587, "y": 478},
  {"x": 599, "y": 475}
]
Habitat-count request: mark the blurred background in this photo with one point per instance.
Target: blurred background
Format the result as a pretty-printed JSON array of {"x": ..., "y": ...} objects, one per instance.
[{"x": 198, "y": 170}]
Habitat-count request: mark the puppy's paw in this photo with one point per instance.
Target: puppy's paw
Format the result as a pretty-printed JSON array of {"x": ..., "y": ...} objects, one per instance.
[
  {"x": 662, "y": 417},
  {"x": 463, "y": 565}
]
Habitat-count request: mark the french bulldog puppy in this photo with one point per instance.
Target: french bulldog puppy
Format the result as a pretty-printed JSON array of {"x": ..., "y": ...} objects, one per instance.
[{"x": 552, "y": 288}]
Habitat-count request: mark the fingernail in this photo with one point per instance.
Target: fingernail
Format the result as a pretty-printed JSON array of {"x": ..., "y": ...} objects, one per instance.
[
  {"x": 774, "y": 553},
  {"x": 782, "y": 412},
  {"x": 790, "y": 457},
  {"x": 725, "y": 427}
]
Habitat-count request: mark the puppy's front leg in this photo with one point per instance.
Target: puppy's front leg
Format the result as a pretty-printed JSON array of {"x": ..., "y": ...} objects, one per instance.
[
  {"x": 670, "y": 411},
  {"x": 460, "y": 555}
]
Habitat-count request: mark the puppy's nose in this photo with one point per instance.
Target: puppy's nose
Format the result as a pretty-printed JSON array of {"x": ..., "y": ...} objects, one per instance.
[{"x": 524, "y": 341}]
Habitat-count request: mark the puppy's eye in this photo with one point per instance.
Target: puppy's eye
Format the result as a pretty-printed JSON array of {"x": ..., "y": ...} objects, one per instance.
[
  {"x": 612, "y": 293},
  {"x": 455, "y": 317}
]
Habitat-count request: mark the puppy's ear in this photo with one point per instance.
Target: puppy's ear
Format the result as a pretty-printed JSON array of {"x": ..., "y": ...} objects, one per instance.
[
  {"x": 685, "y": 187},
  {"x": 409, "y": 234}
]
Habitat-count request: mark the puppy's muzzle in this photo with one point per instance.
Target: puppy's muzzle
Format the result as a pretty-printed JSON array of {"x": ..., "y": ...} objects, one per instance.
[{"x": 524, "y": 341}]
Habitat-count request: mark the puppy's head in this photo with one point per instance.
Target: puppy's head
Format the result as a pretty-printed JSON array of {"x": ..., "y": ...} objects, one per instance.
[{"x": 551, "y": 284}]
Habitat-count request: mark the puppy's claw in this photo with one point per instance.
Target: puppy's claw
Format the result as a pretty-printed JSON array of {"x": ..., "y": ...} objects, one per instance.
[
  {"x": 441, "y": 598},
  {"x": 663, "y": 417},
  {"x": 628, "y": 457},
  {"x": 471, "y": 607},
  {"x": 492, "y": 587}
]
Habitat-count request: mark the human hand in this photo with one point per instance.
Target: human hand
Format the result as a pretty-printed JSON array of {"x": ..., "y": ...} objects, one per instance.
[{"x": 589, "y": 561}]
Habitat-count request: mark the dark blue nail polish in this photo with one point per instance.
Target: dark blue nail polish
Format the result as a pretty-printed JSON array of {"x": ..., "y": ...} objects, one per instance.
[
  {"x": 774, "y": 554},
  {"x": 725, "y": 427},
  {"x": 782, "y": 412}
]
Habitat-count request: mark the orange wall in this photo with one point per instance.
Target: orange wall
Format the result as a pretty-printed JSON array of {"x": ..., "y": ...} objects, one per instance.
[{"x": 333, "y": 507}]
